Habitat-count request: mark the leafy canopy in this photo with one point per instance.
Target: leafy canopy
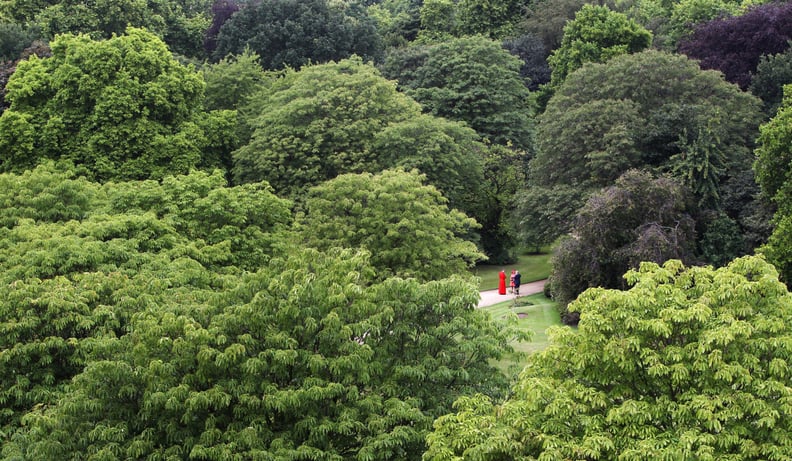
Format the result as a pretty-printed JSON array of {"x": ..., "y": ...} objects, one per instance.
[
  {"x": 293, "y": 33},
  {"x": 473, "y": 80},
  {"x": 405, "y": 224},
  {"x": 597, "y": 34},
  {"x": 689, "y": 363},
  {"x": 121, "y": 108}
]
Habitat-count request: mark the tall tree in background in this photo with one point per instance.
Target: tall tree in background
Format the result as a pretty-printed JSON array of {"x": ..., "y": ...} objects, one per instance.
[
  {"x": 120, "y": 108},
  {"x": 597, "y": 34},
  {"x": 689, "y": 363},
  {"x": 735, "y": 45},
  {"x": 312, "y": 125},
  {"x": 293, "y": 33},
  {"x": 473, "y": 80}
]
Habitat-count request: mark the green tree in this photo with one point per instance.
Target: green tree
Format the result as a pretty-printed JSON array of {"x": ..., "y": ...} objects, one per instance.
[
  {"x": 474, "y": 80},
  {"x": 689, "y": 363},
  {"x": 650, "y": 110},
  {"x": 308, "y": 357},
  {"x": 122, "y": 108},
  {"x": 772, "y": 166},
  {"x": 543, "y": 214},
  {"x": 293, "y": 33},
  {"x": 493, "y": 18},
  {"x": 405, "y": 224},
  {"x": 448, "y": 153},
  {"x": 232, "y": 80},
  {"x": 639, "y": 218},
  {"x": 80, "y": 260},
  {"x": 772, "y": 73},
  {"x": 14, "y": 38},
  {"x": 597, "y": 34},
  {"x": 317, "y": 123},
  {"x": 438, "y": 21}
]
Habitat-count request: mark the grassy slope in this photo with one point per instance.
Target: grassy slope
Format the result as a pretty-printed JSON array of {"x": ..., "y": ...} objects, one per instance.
[{"x": 538, "y": 313}]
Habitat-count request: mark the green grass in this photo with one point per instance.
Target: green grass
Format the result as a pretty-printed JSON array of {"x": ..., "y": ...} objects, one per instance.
[
  {"x": 535, "y": 313},
  {"x": 533, "y": 267}
]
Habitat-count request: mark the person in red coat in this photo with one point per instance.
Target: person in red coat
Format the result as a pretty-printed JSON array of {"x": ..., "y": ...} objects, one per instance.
[{"x": 502, "y": 283}]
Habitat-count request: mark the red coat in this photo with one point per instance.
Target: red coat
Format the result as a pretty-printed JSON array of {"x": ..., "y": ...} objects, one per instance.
[{"x": 502, "y": 283}]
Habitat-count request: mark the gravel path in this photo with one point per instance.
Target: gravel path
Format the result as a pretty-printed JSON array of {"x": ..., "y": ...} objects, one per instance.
[{"x": 491, "y": 297}]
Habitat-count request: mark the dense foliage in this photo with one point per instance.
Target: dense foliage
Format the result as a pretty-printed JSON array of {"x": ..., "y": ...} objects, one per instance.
[
  {"x": 121, "y": 108},
  {"x": 404, "y": 224},
  {"x": 689, "y": 363},
  {"x": 639, "y": 218},
  {"x": 735, "y": 45},
  {"x": 292, "y": 33},
  {"x": 473, "y": 80}
]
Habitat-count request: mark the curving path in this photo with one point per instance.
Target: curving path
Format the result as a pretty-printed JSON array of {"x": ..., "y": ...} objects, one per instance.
[{"x": 490, "y": 297}]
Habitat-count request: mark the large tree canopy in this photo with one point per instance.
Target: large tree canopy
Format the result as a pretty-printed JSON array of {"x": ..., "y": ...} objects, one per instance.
[
  {"x": 639, "y": 218},
  {"x": 292, "y": 33},
  {"x": 121, "y": 108},
  {"x": 597, "y": 34},
  {"x": 689, "y": 363},
  {"x": 315, "y": 124},
  {"x": 404, "y": 224},
  {"x": 647, "y": 109},
  {"x": 81, "y": 259},
  {"x": 474, "y": 80},
  {"x": 735, "y": 45}
]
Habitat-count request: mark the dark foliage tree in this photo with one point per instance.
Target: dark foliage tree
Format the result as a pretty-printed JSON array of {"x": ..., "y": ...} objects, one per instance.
[
  {"x": 735, "y": 45},
  {"x": 493, "y": 18},
  {"x": 546, "y": 19},
  {"x": 639, "y": 218},
  {"x": 530, "y": 49},
  {"x": 14, "y": 38},
  {"x": 222, "y": 10},
  {"x": 474, "y": 80},
  {"x": 540, "y": 215},
  {"x": 293, "y": 33},
  {"x": 772, "y": 73}
]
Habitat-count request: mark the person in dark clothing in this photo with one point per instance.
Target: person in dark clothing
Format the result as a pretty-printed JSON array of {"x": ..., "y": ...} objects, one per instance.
[{"x": 517, "y": 282}]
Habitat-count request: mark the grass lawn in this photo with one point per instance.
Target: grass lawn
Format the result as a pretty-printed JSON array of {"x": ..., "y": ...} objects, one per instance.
[
  {"x": 535, "y": 313},
  {"x": 533, "y": 267}
]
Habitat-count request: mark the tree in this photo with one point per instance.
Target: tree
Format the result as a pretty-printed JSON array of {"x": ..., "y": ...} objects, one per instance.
[
  {"x": 312, "y": 125},
  {"x": 398, "y": 21},
  {"x": 689, "y": 363},
  {"x": 541, "y": 215},
  {"x": 772, "y": 73},
  {"x": 82, "y": 259},
  {"x": 597, "y": 34},
  {"x": 14, "y": 38},
  {"x": 639, "y": 218},
  {"x": 293, "y": 33},
  {"x": 533, "y": 53},
  {"x": 222, "y": 10},
  {"x": 406, "y": 225},
  {"x": 735, "y": 45},
  {"x": 232, "y": 80},
  {"x": 772, "y": 168},
  {"x": 476, "y": 81},
  {"x": 546, "y": 20},
  {"x": 650, "y": 110},
  {"x": 309, "y": 356},
  {"x": 493, "y": 18},
  {"x": 448, "y": 153},
  {"x": 121, "y": 108}
]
